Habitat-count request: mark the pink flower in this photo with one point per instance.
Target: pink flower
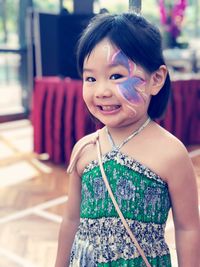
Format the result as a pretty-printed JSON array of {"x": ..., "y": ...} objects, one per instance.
[{"x": 172, "y": 15}]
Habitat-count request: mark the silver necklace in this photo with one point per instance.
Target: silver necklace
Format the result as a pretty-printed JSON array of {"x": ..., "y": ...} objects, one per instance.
[{"x": 117, "y": 148}]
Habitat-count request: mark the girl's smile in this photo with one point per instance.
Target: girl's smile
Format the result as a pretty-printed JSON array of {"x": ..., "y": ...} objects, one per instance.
[{"x": 109, "y": 109}]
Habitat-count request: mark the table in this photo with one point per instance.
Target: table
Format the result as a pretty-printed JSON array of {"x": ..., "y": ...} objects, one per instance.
[{"x": 60, "y": 117}]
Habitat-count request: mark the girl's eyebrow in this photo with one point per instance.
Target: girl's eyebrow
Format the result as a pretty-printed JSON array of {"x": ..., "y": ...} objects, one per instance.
[
  {"x": 115, "y": 64},
  {"x": 118, "y": 64},
  {"x": 110, "y": 65},
  {"x": 87, "y": 70}
]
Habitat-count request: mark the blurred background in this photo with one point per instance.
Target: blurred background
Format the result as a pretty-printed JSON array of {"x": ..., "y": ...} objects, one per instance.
[
  {"x": 42, "y": 113},
  {"x": 36, "y": 40}
]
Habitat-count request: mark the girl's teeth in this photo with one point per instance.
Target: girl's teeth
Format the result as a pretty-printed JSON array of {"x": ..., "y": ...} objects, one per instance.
[{"x": 109, "y": 108}]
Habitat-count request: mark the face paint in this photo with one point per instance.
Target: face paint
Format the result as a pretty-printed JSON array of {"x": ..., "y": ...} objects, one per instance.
[
  {"x": 107, "y": 48},
  {"x": 120, "y": 59},
  {"x": 131, "y": 89},
  {"x": 128, "y": 90}
]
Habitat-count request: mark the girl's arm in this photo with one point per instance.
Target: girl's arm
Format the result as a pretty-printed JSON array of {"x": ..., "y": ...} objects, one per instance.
[
  {"x": 70, "y": 221},
  {"x": 184, "y": 197}
]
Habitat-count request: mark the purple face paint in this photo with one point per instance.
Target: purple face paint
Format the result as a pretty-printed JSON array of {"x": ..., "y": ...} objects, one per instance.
[
  {"x": 130, "y": 89},
  {"x": 120, "y": 59}
]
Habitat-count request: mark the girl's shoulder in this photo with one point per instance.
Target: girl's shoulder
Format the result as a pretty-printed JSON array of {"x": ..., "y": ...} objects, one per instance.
[
  {"x": 86, "y": 150},
  {"x": 173, "y": 153},
  {"x": 159, "y": 150},
  {"x": 87, "y": 139},
  {"x": 171, "y": 145}
]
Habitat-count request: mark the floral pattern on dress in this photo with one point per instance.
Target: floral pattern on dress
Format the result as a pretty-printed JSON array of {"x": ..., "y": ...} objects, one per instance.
[
  {"x": 99, "y": 188},
  {"x": 137, "y": 196},
  {"x": 106, "y": 240},
  {"x": 128, "y": 161},
  {"x": 82, "y": 254}
]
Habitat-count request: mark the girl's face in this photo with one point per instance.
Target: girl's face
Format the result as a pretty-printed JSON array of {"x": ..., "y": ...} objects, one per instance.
[{"x": 115, "y": 89}]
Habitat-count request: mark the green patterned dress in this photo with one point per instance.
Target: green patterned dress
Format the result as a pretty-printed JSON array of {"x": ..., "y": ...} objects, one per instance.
[{"x": 143, "y": 197}]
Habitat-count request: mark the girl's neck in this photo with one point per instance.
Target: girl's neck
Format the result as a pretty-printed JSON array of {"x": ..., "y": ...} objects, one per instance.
[{"x": 120, "y": 133}]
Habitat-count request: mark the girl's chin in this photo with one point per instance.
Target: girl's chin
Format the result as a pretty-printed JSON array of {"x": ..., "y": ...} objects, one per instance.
[
  {"x": 115, "y": 118},
  {"x": 116, "y": 122}
]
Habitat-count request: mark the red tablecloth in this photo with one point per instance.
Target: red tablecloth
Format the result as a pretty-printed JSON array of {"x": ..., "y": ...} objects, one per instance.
[
  {"x": 183, "y": 114},
  {"x": 60, "y": 117}
]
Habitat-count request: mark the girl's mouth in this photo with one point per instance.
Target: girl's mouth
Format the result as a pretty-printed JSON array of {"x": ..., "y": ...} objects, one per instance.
[{"x": 109, "y": 107}]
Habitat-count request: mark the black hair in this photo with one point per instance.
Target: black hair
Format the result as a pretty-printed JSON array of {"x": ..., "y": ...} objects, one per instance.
[{"x": 138, "y": 39}]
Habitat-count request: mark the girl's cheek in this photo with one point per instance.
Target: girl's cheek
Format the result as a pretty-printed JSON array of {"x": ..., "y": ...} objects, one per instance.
[
  {"x": 133, "y": 91},
  {"x": 86, "y": 93}
]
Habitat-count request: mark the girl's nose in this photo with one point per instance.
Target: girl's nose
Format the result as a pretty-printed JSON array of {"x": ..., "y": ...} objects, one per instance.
[{"x": 102, "y": 91}]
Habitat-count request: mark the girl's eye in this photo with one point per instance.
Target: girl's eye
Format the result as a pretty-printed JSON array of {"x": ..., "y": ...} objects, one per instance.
[
  {"x": 116, "y": 76},
  {"x": 90, "y": 79}
]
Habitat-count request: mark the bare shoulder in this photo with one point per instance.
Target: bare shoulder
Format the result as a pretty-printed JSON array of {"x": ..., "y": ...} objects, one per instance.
[
  {"x": 175, "y": 156},
  {"x": 85, "y": 148},
  {"x": 87, "y": 139},
  {"x": 172, "y": 146}
]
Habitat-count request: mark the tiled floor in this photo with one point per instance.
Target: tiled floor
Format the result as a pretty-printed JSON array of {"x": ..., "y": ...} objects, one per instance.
[{"x": 32, "y": 197}]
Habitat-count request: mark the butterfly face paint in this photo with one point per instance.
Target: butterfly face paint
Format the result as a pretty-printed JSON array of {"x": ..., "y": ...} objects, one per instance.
[{"x": 132, "y": 89}]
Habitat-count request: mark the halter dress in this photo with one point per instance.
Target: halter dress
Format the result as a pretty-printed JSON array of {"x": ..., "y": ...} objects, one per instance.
[{"x": 143, "y": 197}]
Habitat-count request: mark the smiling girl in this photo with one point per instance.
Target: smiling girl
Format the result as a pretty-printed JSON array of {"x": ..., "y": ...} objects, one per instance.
[{"x": 126, "y": 86}]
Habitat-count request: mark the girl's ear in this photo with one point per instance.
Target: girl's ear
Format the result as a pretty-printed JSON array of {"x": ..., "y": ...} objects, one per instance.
[{"x": 157, "y": 79}]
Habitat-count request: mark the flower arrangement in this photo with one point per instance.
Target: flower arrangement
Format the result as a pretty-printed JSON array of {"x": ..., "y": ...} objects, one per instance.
[{"x": 172, "y": 14}]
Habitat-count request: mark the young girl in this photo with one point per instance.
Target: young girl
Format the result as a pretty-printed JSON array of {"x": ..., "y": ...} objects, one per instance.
[{"x": 126, "y": 86}]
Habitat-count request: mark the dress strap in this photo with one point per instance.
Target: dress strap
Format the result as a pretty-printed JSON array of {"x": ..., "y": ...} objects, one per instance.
[{"x": 76, "y": 155}]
